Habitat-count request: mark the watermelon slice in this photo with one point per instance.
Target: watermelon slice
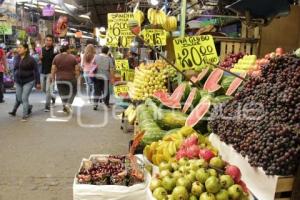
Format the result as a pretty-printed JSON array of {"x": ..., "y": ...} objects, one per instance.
[
  {"x": 192, "y": 99},
  {"x": 235, "y": 85},
  {"x": 211, "y": 84},
  {"x": 200, "y": 76},
  {"x": 161, "y": 95},
  {"x": 198, "y": 113}
]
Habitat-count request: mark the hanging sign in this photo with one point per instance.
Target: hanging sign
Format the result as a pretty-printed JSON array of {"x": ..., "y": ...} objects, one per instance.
[
  {"x": 32, "y": 30},
  {"x": 60, "y": 28},
  {"x": 5, "y": 28},
  {"x": 195, "y": 52},
  {"x": 155, "y": 37},
  {"x": 122, "y": 65},
  {"x": 121, "y": 90},
  {"x": 118, "y": 32},
  {"x": 48, "y": 10}
]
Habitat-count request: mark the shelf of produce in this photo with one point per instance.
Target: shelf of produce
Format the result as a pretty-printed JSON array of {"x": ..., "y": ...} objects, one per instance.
[{"x": 262, "y": 186}]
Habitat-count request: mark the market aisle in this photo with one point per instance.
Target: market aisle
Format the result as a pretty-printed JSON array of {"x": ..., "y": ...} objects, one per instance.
[{"x": 39, "y": 158}]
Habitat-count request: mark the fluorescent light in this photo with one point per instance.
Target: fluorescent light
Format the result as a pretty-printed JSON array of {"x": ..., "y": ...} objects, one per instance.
[
  {"x": 85, "y": 16},
  {"x": 154, "y": 2},
  {"x": 30, "y": 5},
  {"x": 61, "y": 11}
]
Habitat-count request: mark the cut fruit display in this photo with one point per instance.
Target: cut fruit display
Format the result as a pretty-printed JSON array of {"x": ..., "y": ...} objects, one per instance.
[
  {"x": 198, "y": 113},
  {"x": 211, "y": 84},
  {"x": 235, "y": 85},
  {"x": 201, "y": 75},
  {"x": 192, "y": 99}
]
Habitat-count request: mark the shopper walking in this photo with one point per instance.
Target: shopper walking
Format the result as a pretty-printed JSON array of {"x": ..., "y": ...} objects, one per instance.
[
  {"x": 26, "y": 77},
  {"x": 66, "y": 72},
  {"x": 88, "y": 64},
  {"x": 3, "y": 68},
  {"x": 48, "y": 54},
  {"x": 104, "y": 72}
]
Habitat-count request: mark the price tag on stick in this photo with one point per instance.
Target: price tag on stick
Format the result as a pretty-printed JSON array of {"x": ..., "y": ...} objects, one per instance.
[
  {"x": 195, "y": 52},
  {"x": 155, "y": 37}
]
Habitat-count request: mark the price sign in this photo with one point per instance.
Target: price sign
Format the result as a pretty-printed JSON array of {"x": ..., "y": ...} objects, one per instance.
[
  {"x": 120, "y": 89},
  {"x": 118, "y": 32},
  {"x": 195, "y": 52},
  {"x": 155, "y": 37},
  {"x": 5, "y": 29},
  {"x": 121, "y": 65}
]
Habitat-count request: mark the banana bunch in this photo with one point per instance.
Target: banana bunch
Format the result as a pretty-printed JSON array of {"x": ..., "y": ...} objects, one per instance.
[
  {"x": 170, "y": 23},
  {"x": 166, "y": 149},
  {"x": 156, "y": 17},
  {"x": 130, "y": 113},
  {"x": 147, "y": 80},
  {"x": 139, "y": 16}
]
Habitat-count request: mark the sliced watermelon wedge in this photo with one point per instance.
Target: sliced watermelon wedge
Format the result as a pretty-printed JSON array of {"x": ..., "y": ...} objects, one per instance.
[
  {"x": 198, "y": 113},
  {"x": 235, "y": 85},
  {"x": 211, "y": 84},
  {"x": 192, "y": 99},
  {"x": 200, "y": 76},
  {"x": 161, "y": 95}
]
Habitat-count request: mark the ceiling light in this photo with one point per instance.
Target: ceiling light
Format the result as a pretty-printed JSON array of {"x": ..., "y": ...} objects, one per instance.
[
  {"x": 85, "y": 16},
  {"x": 154, "y": 2}
]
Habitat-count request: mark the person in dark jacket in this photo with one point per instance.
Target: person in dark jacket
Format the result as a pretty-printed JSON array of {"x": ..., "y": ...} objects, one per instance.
[
  {"x": 26, "y": 77},
  {"x": 48, "y": 54}
]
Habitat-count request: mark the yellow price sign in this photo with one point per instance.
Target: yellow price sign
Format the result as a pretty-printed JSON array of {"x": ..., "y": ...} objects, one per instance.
[
  {"x": 5, "y": 28},
  {"x": 120, "y": 89},
  {"x": 155, "y": 37},
  {"x": 195, "y": 52},
  {"x": 118, "y": 32},
  {"x": 122, "y": 65}
]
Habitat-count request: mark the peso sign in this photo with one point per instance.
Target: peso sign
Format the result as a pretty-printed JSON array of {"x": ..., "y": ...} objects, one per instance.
[{"x": 195, "y": 52}]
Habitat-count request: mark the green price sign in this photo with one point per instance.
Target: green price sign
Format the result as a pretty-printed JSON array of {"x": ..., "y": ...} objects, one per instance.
[{"x": 5, "y": 29}]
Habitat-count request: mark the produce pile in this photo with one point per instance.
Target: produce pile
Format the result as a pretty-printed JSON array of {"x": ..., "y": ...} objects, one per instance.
[
  {"x": 231, "y": 59},
  {"x": 147, "y": 80},
  {"x": 262, "y": 121},
  {"x": 201, "y": 179},
  {"x": 159, "y": 17},
  {"x": 108, "y": 170}
]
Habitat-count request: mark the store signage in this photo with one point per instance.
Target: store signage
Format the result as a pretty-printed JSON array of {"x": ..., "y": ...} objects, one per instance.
[
  {"x": 155, "y": 37},
  {"x": 5, "y": 28},
  {"x": 32, "y": 30},
  {"x": 195, "y": 52},
  {"x": 48, "y": 10},
  {"x": 122, "y": 65},
  {"x": 118, "y": 32},
  {"x": 121, "y": 89},
  {"x": 60, "y": 28}
]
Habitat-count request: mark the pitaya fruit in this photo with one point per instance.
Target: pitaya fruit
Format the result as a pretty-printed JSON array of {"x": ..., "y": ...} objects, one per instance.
[
  {"x": 193, "y": 151},
  {"x": 192, "y": 140},
  {"x": 206, "y": 154},
  {"x": 234, "y": 172},
  {"x": 181, "y": 154}
]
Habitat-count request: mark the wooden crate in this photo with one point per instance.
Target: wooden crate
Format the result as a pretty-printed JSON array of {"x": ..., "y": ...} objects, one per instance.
[
  {"x": 284, "y": 188},
  {"x": 233, "y": 45}
]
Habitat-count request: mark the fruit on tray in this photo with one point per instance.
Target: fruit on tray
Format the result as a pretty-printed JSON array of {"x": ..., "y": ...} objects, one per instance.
[
  {"x": 192, "y": 100},
  {"x": 108, "y": 170},
  {"x": 156, "y": 17},
  {"x": 170, "y": 23},
  {"x": 165, "y": 149},
  {"x": 196, "y": 179},
  {"x": 231, "y": 59},
  {"x": 211, "y": 84},
  {"x": 235, "y": 84},
  {"x": 170, "y": 119},
  {"x": 203, "y": 75},
  {"x": 244, "y": 64},
  {"x": 147, "y": 80},
  {"x": 267, "y": 132}
]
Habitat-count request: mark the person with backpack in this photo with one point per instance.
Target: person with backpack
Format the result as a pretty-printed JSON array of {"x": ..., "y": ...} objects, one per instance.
[
  {"x": 3, "y": 68},
  {"x": 66, "y": 71},
  {"x": 47, "y": 56},
  {"x": 27, "y": 76}
]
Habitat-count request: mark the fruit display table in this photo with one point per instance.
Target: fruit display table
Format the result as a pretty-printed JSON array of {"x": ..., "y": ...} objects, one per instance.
[{"x": 262, "y": 186}]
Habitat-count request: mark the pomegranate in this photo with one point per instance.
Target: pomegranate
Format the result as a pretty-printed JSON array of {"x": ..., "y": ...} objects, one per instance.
[{"x": 234, "y": 172}]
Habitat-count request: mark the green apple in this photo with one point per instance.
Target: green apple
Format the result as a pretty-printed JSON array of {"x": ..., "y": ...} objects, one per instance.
[
  {"x": 212, "y": 172},
  {"x": 168, "y": 183},
  {"x": 193, "y": 197},
  {"x": 226, "y": 181},
  {"x": 155, "y": 183},
  {"x": 212, "y": 184},
  {"x": 160, "y": 193},
  {"x": 235, "y": 192},
  {"x": 177, "y": 174},
  {"x": 222, "y": 195},
  {"x": 207, "y": 196},
  {"x": 180, "y": 193},
  {"x": 183, "y": 169},
  {"x": 183, "y": 181},
  {"x": 202, "y": 175},
  {"x": 201, "y": 163},
  {"x": 165, "y": 166},
  {"x": 182, "y": 161},
  {"x": 174, "y": 166},
  {"x": 164, "y": 173},
  {"x": 217, "y": 162},
  {"x": 197, "y": 188},
  {"x": 191, "y": 175}
]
